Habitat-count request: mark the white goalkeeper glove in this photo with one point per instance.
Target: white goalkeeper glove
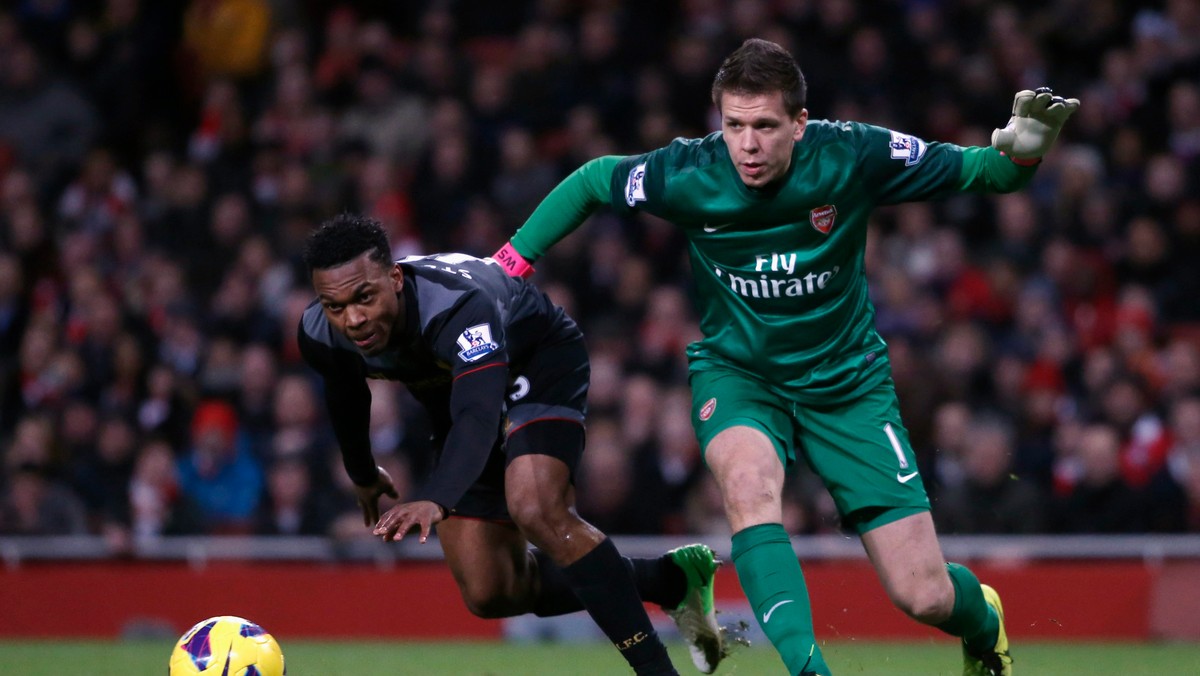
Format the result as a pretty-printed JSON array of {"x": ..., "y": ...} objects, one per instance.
[{"x": 1037, "y": 117}]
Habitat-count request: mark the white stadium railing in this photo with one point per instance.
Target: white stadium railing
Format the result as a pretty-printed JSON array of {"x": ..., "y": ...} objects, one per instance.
[{"x": 200, "y": 549}]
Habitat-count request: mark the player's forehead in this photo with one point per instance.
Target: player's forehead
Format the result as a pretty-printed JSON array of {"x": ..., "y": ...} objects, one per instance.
[
  {"x": 350, "y": 278},
  {"x": 745, "y": 106}
]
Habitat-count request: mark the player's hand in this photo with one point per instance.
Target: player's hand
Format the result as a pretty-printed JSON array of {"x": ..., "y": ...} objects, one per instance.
[
  {"x": 1037, "y": 117},
  {"x": 368, "y": 496},
  {"x": 400, "y": 519}
]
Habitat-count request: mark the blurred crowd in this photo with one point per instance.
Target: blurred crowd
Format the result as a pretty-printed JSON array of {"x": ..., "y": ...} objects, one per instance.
[{"x": 161, "y": 164}]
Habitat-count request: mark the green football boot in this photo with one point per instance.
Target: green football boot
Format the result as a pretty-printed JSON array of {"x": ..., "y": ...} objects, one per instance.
[{"x": 695, "y": 615}]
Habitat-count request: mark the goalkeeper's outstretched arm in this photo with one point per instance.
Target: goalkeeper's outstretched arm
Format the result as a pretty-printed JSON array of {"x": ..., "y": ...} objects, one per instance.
[{"x": 563, "y": 210}]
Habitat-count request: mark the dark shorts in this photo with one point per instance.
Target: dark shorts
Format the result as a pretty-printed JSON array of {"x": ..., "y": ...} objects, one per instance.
[{"x": 552, "y": 386}]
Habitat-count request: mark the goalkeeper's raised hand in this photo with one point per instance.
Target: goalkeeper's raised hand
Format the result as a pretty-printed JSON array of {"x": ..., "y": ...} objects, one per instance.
[{"x": 1037, "y": 117}]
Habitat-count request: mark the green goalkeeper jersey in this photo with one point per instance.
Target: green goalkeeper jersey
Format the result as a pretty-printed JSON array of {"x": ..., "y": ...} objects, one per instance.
[{"x": 779, "y": 271}]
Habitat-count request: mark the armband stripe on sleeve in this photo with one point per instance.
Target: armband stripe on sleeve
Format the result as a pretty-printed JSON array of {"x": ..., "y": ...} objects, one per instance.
[{"x": 480, "y": 368}]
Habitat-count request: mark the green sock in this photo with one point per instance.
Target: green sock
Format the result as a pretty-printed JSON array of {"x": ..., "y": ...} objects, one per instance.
[
  {"x": 774, "y": 584},
  {"x": 972, "y": 619}
]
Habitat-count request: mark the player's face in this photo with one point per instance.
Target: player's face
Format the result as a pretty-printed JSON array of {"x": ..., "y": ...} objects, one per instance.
[
  {"x": 759, "y": 134},
  {"x": 362, "y": 301}
]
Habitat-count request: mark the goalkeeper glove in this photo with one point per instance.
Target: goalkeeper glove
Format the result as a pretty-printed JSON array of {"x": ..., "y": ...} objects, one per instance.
[{"x": 1037, "y": 117}]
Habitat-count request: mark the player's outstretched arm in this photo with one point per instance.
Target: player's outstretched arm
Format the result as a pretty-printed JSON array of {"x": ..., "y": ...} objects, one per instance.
[
  {"x": 1037, "y": 118},
  {"x": 477, "y": 398},
  {"x": 566, "y": 208},
  {"x": 348, "y": 402}
]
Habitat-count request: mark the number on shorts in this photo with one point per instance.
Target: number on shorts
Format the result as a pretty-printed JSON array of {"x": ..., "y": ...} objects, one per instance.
[{"x": 891, "y": 435}]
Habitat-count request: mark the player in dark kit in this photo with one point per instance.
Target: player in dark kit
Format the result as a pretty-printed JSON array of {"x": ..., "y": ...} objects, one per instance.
[{"x": 503, "y": 374}]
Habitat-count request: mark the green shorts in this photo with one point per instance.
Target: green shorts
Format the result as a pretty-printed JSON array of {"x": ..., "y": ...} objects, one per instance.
[{"x": 859, "y": 449}]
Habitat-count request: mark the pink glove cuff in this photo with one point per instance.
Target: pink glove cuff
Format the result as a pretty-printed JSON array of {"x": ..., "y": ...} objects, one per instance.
[
  {"x": 512, "y": 262},
  {"x": 1026, "y": 162}
]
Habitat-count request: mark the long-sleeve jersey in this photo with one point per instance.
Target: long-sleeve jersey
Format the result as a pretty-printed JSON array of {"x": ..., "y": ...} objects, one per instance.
[
  {"x": 779, "y": 274},
  {"x": 466, "y": 324}
]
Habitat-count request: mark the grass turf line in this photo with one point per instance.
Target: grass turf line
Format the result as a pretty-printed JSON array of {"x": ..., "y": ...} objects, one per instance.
[{"x": 310, "y": 658}]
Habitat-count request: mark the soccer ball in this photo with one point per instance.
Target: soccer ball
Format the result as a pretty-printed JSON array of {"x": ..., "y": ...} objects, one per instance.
[{"x": 226, "y": 645}]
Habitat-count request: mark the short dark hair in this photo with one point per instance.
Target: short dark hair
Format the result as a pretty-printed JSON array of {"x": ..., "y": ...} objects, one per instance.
[
  {"x": 761, "y": 67},
  {"x": 343, "y": 238}
]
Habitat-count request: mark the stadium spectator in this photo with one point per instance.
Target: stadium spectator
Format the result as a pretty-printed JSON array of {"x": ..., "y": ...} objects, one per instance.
[
  {"x": 33, "y": 444},
  {"x": 1144, "y": 437},
  {"x": 1100, "y": 501},
  {"x": 385, "y": 117},
  {"x": 291, "y": 506},
  {"x": 163, "y": 411},
  {"x": 218, "y": 473},
  {"x": 300, "y": 432},
  {"x": 44, "y": 119},
  {"x": 102, "y": 478},
  {"x": 990, "y": 498},
  {"x": 98, "y": 196},
  {"x": 1174, "y": 490},
  {"x": 665, "y": 468},
  {"x": 35, "y": 504},
  {"x": 157, "y": 504},
  {"x": 227, "y": 38},
  {"x": 605, "y": 485},
  {"x": 14, "y": 312}
]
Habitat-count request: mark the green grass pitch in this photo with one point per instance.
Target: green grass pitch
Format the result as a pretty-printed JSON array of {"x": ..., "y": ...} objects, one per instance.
[{"x": 80, "y": 658}]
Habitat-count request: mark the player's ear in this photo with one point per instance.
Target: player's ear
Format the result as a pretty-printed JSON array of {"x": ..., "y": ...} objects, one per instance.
[
  {"x": 801, "y": 121},
  {"x": 397, "y": 276}
]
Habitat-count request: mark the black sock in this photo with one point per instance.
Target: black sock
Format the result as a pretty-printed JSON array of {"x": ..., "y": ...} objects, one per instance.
[
  {"x": 555, "y": 596},
  {"x": 658, "y": 581},
  {"x": 607, "y": 591}
]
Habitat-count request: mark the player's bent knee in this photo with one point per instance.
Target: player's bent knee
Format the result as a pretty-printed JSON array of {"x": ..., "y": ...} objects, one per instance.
[
  {"x": 527, "y": 513},
  {"x": 541, "y": 521},
  {"x": 490, "y": 605},
  {"x": 752, "y": 502},
  {"x": 927, "y": 603}
]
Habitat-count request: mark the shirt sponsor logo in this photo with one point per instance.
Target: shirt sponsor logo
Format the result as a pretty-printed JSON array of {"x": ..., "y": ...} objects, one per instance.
[
  {"x": 907, "y": 147},
  {"x": 635, "y": 185},
  {"x": 707, "y": 409},
  {"x": 822, "y": 218},
  {"x": 796, "y": 283},
  {"x": 476, "y": 342}
]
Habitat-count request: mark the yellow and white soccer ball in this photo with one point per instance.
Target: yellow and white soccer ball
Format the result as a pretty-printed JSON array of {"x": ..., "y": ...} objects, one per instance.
[{"x": 227, "y": 645}]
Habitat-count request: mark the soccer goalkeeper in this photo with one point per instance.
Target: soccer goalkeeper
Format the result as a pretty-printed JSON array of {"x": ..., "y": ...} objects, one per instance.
[{"x": 775, "y": 208}]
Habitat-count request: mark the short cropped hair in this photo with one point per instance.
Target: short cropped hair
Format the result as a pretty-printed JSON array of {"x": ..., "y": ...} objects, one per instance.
[
  {"x": 761, "y": 67},
  {"x": 343, "y": 238}
]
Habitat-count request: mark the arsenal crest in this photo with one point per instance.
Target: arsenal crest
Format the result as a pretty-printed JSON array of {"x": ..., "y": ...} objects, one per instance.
[{"x": 822, "y": 218}]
